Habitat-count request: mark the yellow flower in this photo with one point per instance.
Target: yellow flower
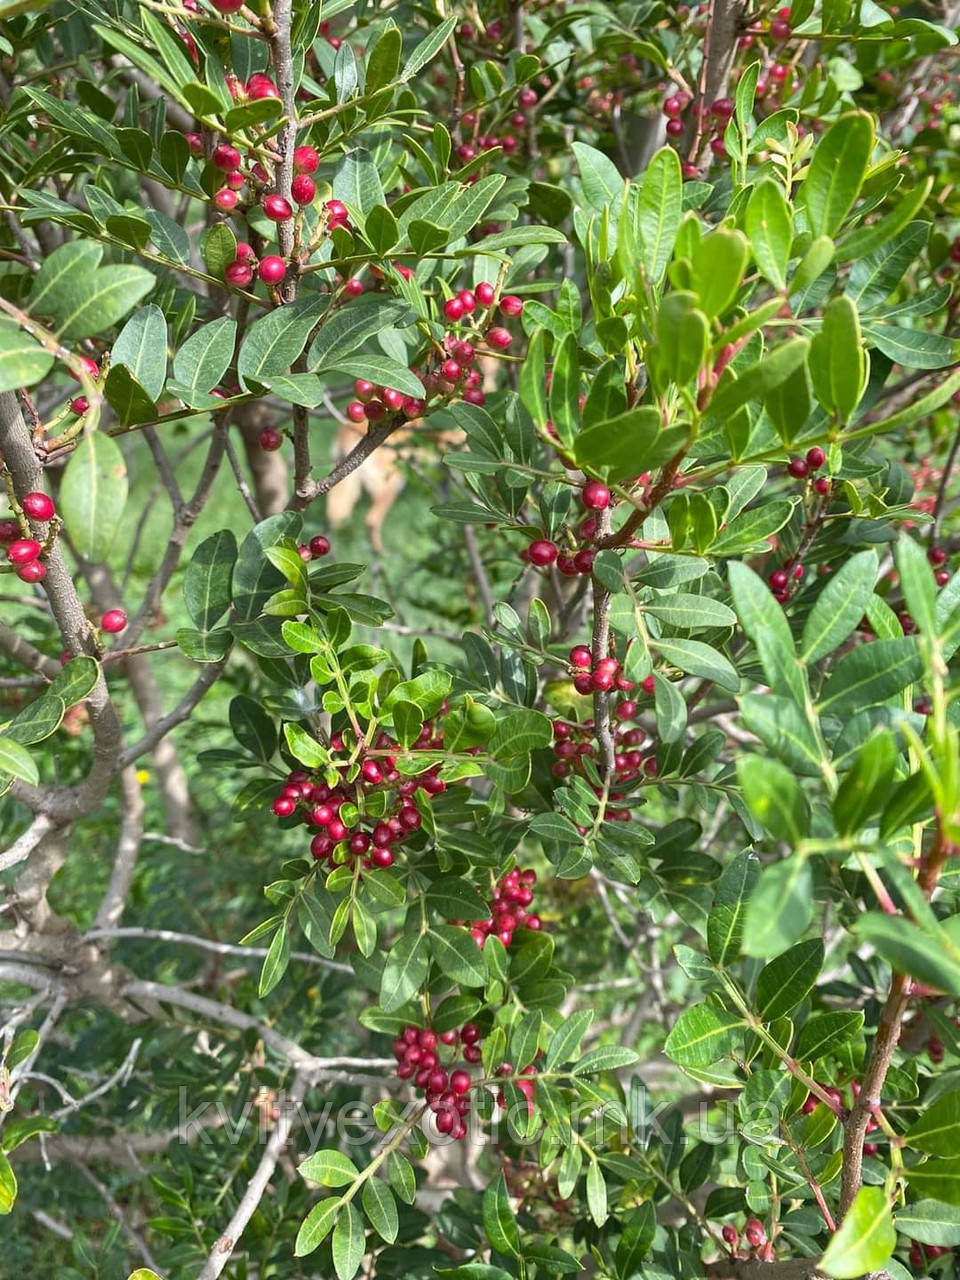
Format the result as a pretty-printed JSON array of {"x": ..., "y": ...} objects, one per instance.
[{"x": 143, "y": 775}]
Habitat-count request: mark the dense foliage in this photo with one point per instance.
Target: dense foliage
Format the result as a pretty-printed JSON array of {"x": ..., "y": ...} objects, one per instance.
[{"x": 553, "y": 868}]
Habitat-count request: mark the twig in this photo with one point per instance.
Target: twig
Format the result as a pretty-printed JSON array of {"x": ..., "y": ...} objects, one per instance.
[
  {"x": 479, "y": 572},
  {"x": 120, "y": 1076},
  {"x": 948, "y": 466},
  {"x": 116, "y": 1212},
  {"x": 128, "y": 849},
  {"x": 241, "y": 480},
  {"x": 160, "y": 728}
]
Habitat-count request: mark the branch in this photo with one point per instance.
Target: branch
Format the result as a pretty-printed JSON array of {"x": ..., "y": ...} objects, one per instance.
[
  {"x": 128, "y": 850},
  {"x": 160, "y": 728},
  {"x": 22, "y": 651},
  {"x": 753, "y": 1269},
  {"x": 316, "y": 1069},
  {"x": 257, "y": 1185},
  {"x": 356, "y": 457},
  {"x": 116, "y": 1212},
  {"x": 25, "y": 844},
  {"x": 208, "y": 944}
]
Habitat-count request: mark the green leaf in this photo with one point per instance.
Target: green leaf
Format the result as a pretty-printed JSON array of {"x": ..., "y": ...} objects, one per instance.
[
  {"x": 565, "y": 1042},
  {"x": 23, "y": 361},
  {"x": 718, "y": 262},
  {"x": 383, "y": 371},
  {"x": 725, "y": 922},
  {"x": 427, "y": 49},
  {"x": 825, "y": 1032},
  {"x": 670, "y": 708},
  {"x": 683, "y": 338},
  {"x": 93, "y": 495},
  {"x": 141, "y": 347},
  {"x": 691, "y": 612},
  {"x": 274, "y": 342},
  {"x": 639, "y": 1229},
  {"x": 608, "y": 1057},
  {"x": 838, "y": 361},
  {"x": 600, "y": 178},
  {"x": 499, "y": 1221},
  {"x": 75, "y": 680},
  {"x": 204, "y": 646},
  {"x": 305, "y": 748},
  {"x": 127, "y": 398},
  {"x": 405, "y": 970},
  {"x": 931, "y": 1222},
  {"x": 456, "y": 899},
  {"x": 349, "y": 1242},
  {"x": 839, "y": 607},
  {"x": 775, "y": 797},
  {"x": 939, "y": 1177},
  {"x": 781, "y": 725},
  {"x": 381, "y": 1209},
  {"x": 275, "y": 962},
  {"x": 204, "y": 358},
  {"x": 769, "y": 226},
  {"x": 8, "y": 1185},
  {"x": 346, "y": 329},
  {"x": 702, "y": 1035},
  {"x": 765, "y": 624},
  {"x": 780, "y": 908},
  {"x": 219, "y": 249},
  {"x": 16, "y": 762},
  {"x": 254, "y": 577},
  {"x": 458, "y": 955},
  {"x": 316, "y": 1226},
  {"x": 836, "y": 173},
  {"x": 699, "y": 659},
  {"x": 208, "y": 579},
  {"x": 758, "y": 380},
  {"x": 867, "y": 786},
  {"x": 356, "y": 180},
  {"x": 596, "y": 1194},
  {"x": 917, "y": 584},
  {"x": 910, "y": 949},
  {"x": 788, "y": 978},
  {"x": 872, "y": 673},
  {"x": 865, "y": 1239},
  {"x": 658, "y": 210},
  {"x": 329, "y": 1168},
  {"x": 937, "y": 1131}
]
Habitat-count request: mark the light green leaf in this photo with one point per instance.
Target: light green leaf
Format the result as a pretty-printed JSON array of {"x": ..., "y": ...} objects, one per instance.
[
  {"x": 836, "y": 172},
  {"x": 780, "y": 908},
  {"x": 839, "y": 606},
  {"x": 769, "y": 227},
  {"x": 787, "y": 979},
  {"x": 93, "y": 495},
  {"x": 865, "y": 1239},
  {"x": 702, "y": 1035},
  {"x": 142, "y": 348}
]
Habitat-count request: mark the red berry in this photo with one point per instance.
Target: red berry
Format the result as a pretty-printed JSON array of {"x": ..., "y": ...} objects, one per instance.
[
  {"x": 527, "y": 97},
  {"x": 936, "y": 555},
  {"x": 485, "y": 293},
  {"x": 779, "y": 579},
  {"x": 235, "y": 180},
  {"x": 353, "y": 287},
  {"x": 38, "y": 506},
  {"x": 34, "y": 571},
  {"x": 499, "y": 338},
  {"x": 581, "y": 657},
  {"x": 261, "y": 86},
  {"x": 306, "y": 159},
  {"x": 89, "y": 366},
  {"x": 277, "y": 208},
  {"x": 511, "y": 305},
  {"x": 227, "y": 6},
  {"x": 450, "y": 371},
  {"x": 226, "y": 158},
  {"x": 238, "y": 274},
  {"x": 225, "y": 199},
  {"x": 815, "y": 458},
  {"x": 9, "y": 531},
  {"x": 459, "y": 1081},
  {"x": 754, "y": 1232},
  {"x": 798, "y": 468},
  {"x": 284, "y": 806},
  {"x": 272, "y": 269},
  {"x": 245, "y": 252},
  {"x": 821, "y": 485},
  {"x": 453, "y": 309},
  {"x": 468, "y": 301},
  {"x": 23, "y": 551},
  {"x": 730, "y": 1234},
  {"x": 779, "y": 29},
  {"x": 364, "y": 389},
  {"x": 648, "y": 684},
  {"x": 336, "y": 210},
  {"x": 114, "y": 620},
  {"x": 673, "y": 107},
  {"x": 356, "y": 411},
  {"x": 674, "y": 128},
  {"x": 270, "y": 439},
  {"x": 542, "y": 552},
  {"x": 722, "y": 108},
  {"x": 319, "y": 545},
  {"x": 80, "y": 405},
  {"x": 596, "y": 496},
  {"x": 303, "y": 189}
]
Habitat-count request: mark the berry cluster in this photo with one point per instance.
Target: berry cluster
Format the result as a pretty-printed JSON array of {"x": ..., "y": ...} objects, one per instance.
[
  {"x": 373, "y": 403},
  {"x": 24, "y": 552},
  {"x": 318, "y": 546},
  {"x": 446, "y": 1088},
  {"x": 512, "y": 895},
  {"x": 543, "y": 552},
  {"x": 366, "y": 816},
  {"x": 633, "y": 755}
]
